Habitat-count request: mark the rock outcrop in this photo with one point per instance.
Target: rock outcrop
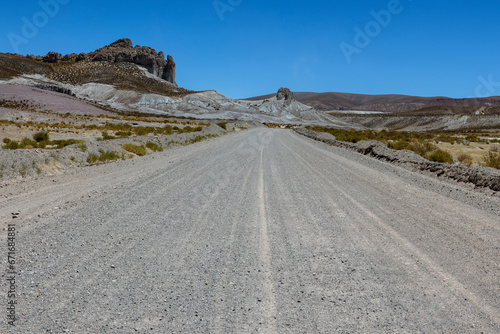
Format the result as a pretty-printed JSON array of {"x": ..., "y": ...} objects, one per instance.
[
  {"x": 56, "y": 89},
  {"x": 286, "y": 94},
  {"x": 51, "y": 57},
  {"x": 169, "y": 71},
  {"x": 122, "y": 51},
  {"x": 122, "y": 43}
]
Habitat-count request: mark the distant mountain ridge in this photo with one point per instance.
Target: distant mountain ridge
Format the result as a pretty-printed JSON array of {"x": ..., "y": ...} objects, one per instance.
[{"x": 332, "y": 101}]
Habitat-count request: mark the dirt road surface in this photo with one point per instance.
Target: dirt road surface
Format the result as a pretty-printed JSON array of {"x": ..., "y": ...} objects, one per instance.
[{"x": 262, "y": 231}]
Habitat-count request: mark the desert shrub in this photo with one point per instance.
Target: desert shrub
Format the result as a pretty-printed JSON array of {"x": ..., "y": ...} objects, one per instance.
[
  {"x": 61, "y": 143},
  {"x": 103, "y": 156},
  {"x": 199, "y": 138},
  {"x": 107, "y": 136},
  {"x": 27, "y": 143},
  {"x": 92, "y": 158},
  {"x": 23, "y": 171},
  {"x": 123, "y": 134},
  {"x": 168, "y": 130},
  {"x": 476, "y": 138},
  {"x": 424, "y": 149},
  {"x": 117, "y": 126},
  {"x": 154, "y": 147},
  {"x": 382, "y": 136},
  {"x": 445, "y": 138},
  {"x": 82, "y": 147},
  {"x": 185, "y": 129},
  {"x": 441, "y": 156},
  {"x": 222, "y": 125},
  {"x": 400, "y": 145},
  {"x": 351, "y": 136},
  {"x": 465, "y": 159},
  {"x": 138, "y": 150},
  {"x": 41, "y": 136},
  {"x": 492, "y": 159},
  {"x": 188, "y": 129},
  {"x": 143, "y": 130},
  {"x": 107, "y": 155},
  {"x": 196, "y": 139},
  {"x": 6, "y": 140},
  {"x": 11, "y": 145}
]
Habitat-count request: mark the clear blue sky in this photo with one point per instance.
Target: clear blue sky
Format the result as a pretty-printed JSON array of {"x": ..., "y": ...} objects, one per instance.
[{"x": 428, "y": 48}]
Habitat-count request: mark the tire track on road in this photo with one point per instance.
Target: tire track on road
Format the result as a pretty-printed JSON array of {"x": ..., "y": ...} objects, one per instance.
[
  {"x": 452, "y": 284},
  {"x": 265, "y": 250}
]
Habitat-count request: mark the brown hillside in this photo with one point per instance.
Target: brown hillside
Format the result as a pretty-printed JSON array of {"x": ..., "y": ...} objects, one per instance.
[
  {"x": 120, "y": 75},
  {"x": 12, "y": 65},
  {"x": 393, "y": 103}
]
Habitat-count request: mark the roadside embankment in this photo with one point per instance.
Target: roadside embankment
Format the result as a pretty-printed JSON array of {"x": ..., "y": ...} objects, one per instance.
[{"x": 479, "y": 177}]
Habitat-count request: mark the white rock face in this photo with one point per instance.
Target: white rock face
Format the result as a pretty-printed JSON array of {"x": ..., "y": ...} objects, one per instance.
[{"x": 203, "y": 105}]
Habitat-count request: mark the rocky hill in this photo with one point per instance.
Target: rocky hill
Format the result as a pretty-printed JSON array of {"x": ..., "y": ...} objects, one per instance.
[
  {"x": 139, "y": 69},
  {"x": 135, "y": 79},
  {"x": 12, "y": 65},
  {"x": 121, "y": 51}
]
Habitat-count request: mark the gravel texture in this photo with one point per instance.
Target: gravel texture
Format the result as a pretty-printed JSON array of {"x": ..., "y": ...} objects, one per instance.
[{"x": 260, "y": 231}]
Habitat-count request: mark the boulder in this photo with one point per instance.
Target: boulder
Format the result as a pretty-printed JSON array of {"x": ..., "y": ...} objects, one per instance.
[
  {"x": 71, "y": 56},
  {"x": 82, "y": 56},
  {"x": 122, "y": 43},
  {"x": 51, "y": 57}
]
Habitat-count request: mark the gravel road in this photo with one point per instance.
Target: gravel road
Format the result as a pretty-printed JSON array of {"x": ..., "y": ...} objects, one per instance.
[{"x": 261, "y": 231}]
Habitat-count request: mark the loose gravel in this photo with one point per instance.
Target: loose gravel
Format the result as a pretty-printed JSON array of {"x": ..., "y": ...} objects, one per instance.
[{"x": 260, "y": 231}]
